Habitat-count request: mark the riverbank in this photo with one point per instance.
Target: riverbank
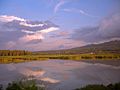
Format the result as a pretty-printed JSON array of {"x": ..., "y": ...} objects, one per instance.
[{"x": 77, "y": 57}]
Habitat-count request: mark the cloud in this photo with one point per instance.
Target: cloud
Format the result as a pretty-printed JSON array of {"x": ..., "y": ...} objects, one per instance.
[
  {"x": 5, "y": 18},
  {"x": 31, "y": 25},
  {"x": 60, "y": 34},
  {"x": 27, "y": 38},
  {"x": 37, "y": 36},
  {"x": 51, "y": 29},
  {"x": 32, "y": 35},
  {"x": 28, "y": 32},
  {"x": 15, "y": 31},
  {"x": 59, "y": 4},
  {"x": 55, "y": 44},
  {"x": 72, "y": 10},
  {"x": 10, "y": 44},
  {"x": 109, "y": 28}
]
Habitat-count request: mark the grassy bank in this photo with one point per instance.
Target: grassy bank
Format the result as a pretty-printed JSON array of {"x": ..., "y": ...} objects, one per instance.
[
  {"x": 18, "y": 59},
  {"x": 27, "y": 58}
]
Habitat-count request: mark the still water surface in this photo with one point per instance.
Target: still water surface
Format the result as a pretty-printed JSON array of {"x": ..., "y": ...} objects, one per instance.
[{"x": 61, "y": 74}]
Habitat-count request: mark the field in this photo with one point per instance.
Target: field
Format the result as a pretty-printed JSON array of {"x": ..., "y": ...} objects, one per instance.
[{"x": 27, "y": 58}]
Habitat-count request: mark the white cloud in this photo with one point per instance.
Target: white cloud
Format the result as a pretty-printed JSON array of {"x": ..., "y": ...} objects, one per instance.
[
  {"x": 58, "y": 5},
  {"x": 27, "y": 31},
  {"x": 73, "y": 10},
  {"x": 5, "y": 18},
  {"x": 51, "y": 29},
  {"x": 31, "y": 25}
]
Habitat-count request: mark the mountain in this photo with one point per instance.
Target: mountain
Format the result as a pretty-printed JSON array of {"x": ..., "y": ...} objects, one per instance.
[{"x": 106, "y": 47}]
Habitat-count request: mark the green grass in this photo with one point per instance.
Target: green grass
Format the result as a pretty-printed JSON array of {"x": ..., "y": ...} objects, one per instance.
[{"x": 27, "y": 58}]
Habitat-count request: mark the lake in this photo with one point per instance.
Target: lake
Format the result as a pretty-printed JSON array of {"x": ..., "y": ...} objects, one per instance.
[{"x": 61, "y": 74}]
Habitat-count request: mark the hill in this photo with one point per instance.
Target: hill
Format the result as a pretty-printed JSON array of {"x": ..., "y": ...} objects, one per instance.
[{"x": 106, "y": 47}]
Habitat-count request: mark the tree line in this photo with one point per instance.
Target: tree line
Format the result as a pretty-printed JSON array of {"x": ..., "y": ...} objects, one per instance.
[{"x": 14, "y": 52}]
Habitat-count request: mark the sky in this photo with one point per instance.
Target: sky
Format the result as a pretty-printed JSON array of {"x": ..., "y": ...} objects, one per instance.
[{"x": 57, "y": 24}]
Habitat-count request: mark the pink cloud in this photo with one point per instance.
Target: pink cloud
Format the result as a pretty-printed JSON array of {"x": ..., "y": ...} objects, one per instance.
[{"x": 28, "y": 38}]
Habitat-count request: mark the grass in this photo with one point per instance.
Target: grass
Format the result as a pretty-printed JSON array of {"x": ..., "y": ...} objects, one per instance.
[
  {"x": 101, "y": 87},
  {"x": 24, "y": 84},
  {"x": 27, "y": 58},
  {"x": 18, "y": 59},
  {"x": 27, "y": 84}
]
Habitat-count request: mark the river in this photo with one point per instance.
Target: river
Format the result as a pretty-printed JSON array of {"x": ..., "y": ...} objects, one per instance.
[{"x": 61, "y": 74}]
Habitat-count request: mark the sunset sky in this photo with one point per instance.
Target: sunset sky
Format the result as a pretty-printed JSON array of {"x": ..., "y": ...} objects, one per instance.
[{"x": 57, "y": 24}]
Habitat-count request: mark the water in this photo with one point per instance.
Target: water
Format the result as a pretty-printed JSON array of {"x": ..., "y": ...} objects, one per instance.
[{"x": 61, "y": 74}]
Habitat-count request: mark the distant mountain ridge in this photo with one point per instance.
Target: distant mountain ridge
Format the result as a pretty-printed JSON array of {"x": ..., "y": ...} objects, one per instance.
[
  {"x": 106, "y": 47},
  {"x": 111, "y": 46}
]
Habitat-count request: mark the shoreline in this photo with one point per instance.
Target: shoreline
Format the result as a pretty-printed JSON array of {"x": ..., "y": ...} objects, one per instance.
[{"x": 106, "y": 62}]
